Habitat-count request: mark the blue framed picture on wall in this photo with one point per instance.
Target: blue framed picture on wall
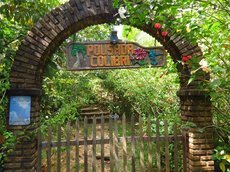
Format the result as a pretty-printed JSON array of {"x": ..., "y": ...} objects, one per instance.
[{"x": 19, "y": 110}]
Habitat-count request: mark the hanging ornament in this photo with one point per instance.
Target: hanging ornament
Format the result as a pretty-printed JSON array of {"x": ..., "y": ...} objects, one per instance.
[
  {"x": 184, "y": 59},
  {"x": 189, "y": 56},
  {"x": 157, "y": 26},
  {"x": 164, "y": 34}
]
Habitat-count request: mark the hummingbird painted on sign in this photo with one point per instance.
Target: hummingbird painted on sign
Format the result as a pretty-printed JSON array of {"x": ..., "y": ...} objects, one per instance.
[{"x": 152, "y": 56}]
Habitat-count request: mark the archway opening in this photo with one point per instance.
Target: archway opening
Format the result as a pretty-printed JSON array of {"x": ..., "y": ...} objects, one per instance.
[
  {"x": 57, "y": 67},
  {"x": 121, "y": 91}
]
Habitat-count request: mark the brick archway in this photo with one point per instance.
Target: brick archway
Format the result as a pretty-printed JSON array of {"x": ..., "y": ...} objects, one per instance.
[{"x": 43, "y": 39}]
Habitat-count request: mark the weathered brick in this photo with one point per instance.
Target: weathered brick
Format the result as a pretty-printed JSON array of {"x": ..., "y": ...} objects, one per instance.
[
  {"x": 17, "y": 80},
  {"x": 201, "y": 163},
  {"x": 12, "y": 165},
  {"x": 37, "y": 32},
  {"x": 200, "y": 135},
  {"x": 20, "y": 69},
  {"x": 50, "y": 30},
  {"x": 68, "y": 11},
  {"x": 201, "y": 152},
  {"x": 28, "y": 46},
  {"x": 34, "y": 42},
  {"x": 200, "y": 146},
  {"x": 193, "y": 168}
]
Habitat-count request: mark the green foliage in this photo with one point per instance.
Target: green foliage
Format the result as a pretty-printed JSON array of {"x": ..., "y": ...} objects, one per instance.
[
  {"x": 8, "y": 145},
  {"x": 25, "y": 12},
  {"x": 66, "y": 92},
  {"x": 222, "y": 156},
  {"x": 136, "y": 35},
  {"x": 4, "y": 85},
  {"x": 145, "y": 91},
  {"x": 202, "y": 22}
]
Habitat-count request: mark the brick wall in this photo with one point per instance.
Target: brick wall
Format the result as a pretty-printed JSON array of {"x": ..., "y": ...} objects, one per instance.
[
  {"x": 196, "y": 108},
  {"x": 50, "y": 31}
]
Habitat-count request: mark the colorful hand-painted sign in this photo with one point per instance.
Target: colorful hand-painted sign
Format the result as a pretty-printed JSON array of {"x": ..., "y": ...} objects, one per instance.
[{"x": 104, "y": 55}]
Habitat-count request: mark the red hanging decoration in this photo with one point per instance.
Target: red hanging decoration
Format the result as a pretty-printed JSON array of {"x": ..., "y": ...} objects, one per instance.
[
  {"x": 157, "y": 26},
  {"x": 189, "y": 56},
  {"x": 184, "y": 59},
  {"x": 164, "y": 34}
]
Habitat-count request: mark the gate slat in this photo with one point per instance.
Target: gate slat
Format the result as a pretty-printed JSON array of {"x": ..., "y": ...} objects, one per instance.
[
  {"x": 39, "y": 151},
  {"x": 124, "y": 144},
  {"x": 175, "y": 148},
  {"x": 94, "y": 145},
  {"x": 111, "y": 145},
  {"x": 158, "y": 145},
  {"x": 184, "y": 143},
  {"x": 77, "y": 145},
  {"x": 150, "y": 148},
  {"x": 166, "y": 146},
  {"x": 68, "y": 147},
  {"x": 102, "y": 143},
  {"x": 49, "y": 148},
  {"x": 116, "y": 144},
  {"x": 85, "y": 144},
  {"x": 142, "y": 164},
  {"x": 133, "y": 143},
  {"x": 59, "y": 149}
]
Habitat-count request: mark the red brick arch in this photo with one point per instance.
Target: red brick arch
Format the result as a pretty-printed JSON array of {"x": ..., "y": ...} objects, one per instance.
[{"x": 47, "y": 35}]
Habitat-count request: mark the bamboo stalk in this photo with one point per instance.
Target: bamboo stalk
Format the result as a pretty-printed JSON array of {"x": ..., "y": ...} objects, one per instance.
[
  {"x": 133, "y": 144},
  {"x": 111, "y": 145},
  {"x": 124, "y": 144},
  {"x": 77, "y": 145},
  {"x": 49, "y": 148},
  {"x": 166, "y": 146},
  {"x": 158, "y": 145},
  {"x": 142, "y": 163},
  {"x": 150, "y": 148},
  {"x": 102, "y": 144},
  {"x": 175, "y": 148},
  {"x": 59, "y": 149},
  {"x": 116, "y": 144},
  {"x": 94, "y": 146},
  {"x": 85, "y": 144},
  {"x": 39, "y": 151},
  {"x": 184, "y": 142},
  {"x": 68, "y": 147}
]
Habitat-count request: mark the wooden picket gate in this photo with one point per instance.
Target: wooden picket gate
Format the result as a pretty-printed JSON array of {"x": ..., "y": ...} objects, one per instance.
[{"x": 99, "y": 144}]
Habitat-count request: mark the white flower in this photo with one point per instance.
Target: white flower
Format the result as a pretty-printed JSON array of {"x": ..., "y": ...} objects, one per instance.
[
  {"x": 222, "y": 152},
  {"x": 204, "y": 65},
  {"x": 121, "y": 12}
]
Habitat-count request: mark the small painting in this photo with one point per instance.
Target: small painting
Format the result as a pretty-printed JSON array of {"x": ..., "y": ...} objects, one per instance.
[{"x": 20, "y": 110}]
